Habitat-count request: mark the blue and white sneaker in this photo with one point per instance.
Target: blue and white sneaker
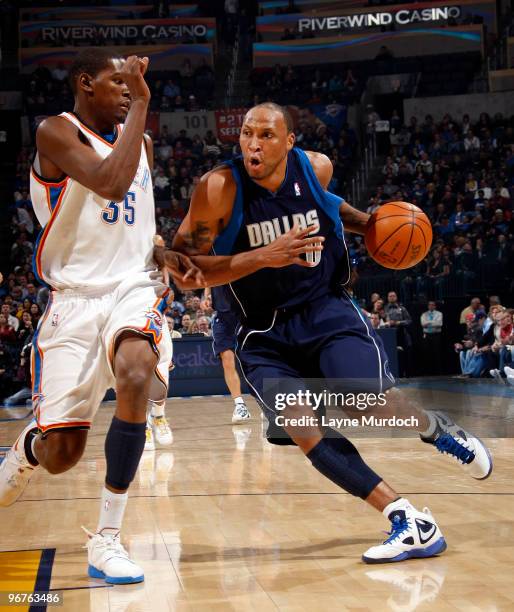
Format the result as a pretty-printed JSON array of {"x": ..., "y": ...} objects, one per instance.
[
  {"x": 463, "y": 446},
  {"x": 413, "y": 534},
  {"x": 109, "y": 561}
]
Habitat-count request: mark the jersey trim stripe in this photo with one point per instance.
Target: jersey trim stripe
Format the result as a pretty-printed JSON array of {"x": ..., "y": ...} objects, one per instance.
[
  {"x": 40, "y": 243},
  {"x": 65, "y": 425},
  {"x": 225, "y": 241},
  {"x": 152, "y": 334},
  {"x": 46, "y": 183},
  {"x": 90, "y": 131},
  {"x": 37, "y": 362}
]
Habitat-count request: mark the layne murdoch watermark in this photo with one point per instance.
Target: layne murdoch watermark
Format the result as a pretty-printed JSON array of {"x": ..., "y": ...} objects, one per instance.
[
  {"x": 327, "y": 399},
  {"x": 363, "y": 421}
]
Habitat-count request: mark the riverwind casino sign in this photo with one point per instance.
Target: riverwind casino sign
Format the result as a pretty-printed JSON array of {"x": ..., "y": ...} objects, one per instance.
[
  {"x": 51, "y": 33},
  {"x": 368, "y": 20},
  {"x": 344, "y": 20}
]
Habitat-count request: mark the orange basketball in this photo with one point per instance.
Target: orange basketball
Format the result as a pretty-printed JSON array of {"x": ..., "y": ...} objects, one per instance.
[{"x": 398, "y": 236}]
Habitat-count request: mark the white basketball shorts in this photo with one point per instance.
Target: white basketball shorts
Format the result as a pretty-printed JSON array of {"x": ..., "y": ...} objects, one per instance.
[{"x": 73, "y": 348}]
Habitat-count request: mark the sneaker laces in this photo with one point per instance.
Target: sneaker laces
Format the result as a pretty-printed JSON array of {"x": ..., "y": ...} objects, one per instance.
[
  {"x": 241, "y": 410},
  {"x": 446, "y": 443},
  {"x": 398, "y": 526},
  {"x": 108, "y": 543}
]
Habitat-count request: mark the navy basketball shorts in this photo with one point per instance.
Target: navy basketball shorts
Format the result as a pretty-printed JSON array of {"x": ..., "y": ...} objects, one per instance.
[
  {"x": 328, "y": 338},
  {"x": 224, "y": 330}
]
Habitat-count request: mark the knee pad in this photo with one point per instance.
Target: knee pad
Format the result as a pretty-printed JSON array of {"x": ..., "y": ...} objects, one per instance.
[{"x": 337, "y": 458}]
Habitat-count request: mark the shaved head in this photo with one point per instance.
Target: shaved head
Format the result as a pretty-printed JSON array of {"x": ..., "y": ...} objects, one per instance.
[{"x": 286, "y": 115}]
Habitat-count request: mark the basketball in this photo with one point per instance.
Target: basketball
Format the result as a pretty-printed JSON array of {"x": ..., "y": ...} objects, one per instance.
[{"x": 398, "y": 236}]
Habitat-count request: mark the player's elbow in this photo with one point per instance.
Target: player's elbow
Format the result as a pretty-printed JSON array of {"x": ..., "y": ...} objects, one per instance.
[{"x": 116, "y": 193}]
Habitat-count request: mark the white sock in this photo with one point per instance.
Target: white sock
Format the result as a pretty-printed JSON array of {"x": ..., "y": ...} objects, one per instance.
[
  {"x": 112, "y": 509},
  {"x": 432, "y": 426},
  {"x": 399, "y": 504},
  {"x": 157, "y": 408},
  {"x": 238, "y": 400}
]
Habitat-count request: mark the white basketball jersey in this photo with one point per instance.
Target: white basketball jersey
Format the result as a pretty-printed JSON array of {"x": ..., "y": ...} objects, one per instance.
[{"x": 88, "y": 241}]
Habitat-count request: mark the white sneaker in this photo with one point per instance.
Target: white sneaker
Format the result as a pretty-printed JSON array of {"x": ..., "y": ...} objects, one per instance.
[
  {"x": 149, "y": 441},
  {"x": 15, "y": 470},
  {"x": 509, "y": 373},
  {"x": 469, "y": 450},
  {"x": 110, "y": 561},
  {"x": 496, "y": 374},
  {"x": 241, "y": 414},
  {"x": 413, "y": 534},
  {"x": 161, "y": 430}
]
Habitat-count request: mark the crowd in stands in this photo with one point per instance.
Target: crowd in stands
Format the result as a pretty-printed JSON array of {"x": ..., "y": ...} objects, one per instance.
[
  {"x": 47, "y": 92},
  {"x": 487, "y": 343},
  {"x": 461, "y": 174},
  {"x": 307, "y": 84}
]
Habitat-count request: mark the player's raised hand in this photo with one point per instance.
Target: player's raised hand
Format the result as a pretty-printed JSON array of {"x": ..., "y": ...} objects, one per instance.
[
  {"x": 182, "y": 268},
  {"x": 288, "y": 248},
  {"x": 133, "y": 74}
]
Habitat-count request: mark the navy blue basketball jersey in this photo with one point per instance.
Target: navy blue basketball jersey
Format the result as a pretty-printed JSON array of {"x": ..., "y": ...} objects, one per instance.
[{"x": 259, "y": 216}]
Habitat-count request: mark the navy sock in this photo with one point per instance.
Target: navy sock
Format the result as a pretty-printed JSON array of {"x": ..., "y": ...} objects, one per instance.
[
  {"x": 124, "y": 446},
  {"x": 338, "y": 459}
]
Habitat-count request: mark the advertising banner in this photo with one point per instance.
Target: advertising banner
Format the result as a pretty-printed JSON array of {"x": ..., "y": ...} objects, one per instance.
[
  {"x": 398, "y": 17},
  {"x": 229, "y": 122},
  {"x": 71, "y": 32},
  {"x": 364, "y": 46},
  {"x": 162, "y": 57},
  {"x": 193, "y": 122},
  {"x": 135, "y": 11}
]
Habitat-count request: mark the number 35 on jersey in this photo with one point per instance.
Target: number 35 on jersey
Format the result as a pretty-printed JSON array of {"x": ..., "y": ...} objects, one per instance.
[{"x": 126, "y": 209}]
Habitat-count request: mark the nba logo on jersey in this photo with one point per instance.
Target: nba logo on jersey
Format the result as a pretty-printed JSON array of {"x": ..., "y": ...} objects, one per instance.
[
  {"x": 297, "y": 191},
  {"x": 55, "y": 320}
]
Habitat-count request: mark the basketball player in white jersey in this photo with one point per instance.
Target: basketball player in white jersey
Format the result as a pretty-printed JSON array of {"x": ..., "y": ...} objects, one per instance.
[{"x": 103, "y": 327}]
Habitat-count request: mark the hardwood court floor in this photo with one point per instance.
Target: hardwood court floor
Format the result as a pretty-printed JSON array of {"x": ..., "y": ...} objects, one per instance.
[{"x": 221, "y": 520}]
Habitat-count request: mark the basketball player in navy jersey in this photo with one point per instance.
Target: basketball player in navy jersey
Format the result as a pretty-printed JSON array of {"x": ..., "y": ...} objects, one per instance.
[{"x": 248, "y": 225}]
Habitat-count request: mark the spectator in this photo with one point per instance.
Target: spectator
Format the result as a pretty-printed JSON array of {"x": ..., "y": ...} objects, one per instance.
[
  {"x": 7, "y": 333},
  {"x": 432, "y": 325},
  {"x": 204, "y": 326},
  {"x": 465, "y": 346},
  {"x": 25, "y": 330},
  {"x": 473, "y": 308},
  {"x": 14, "y": 322},
  {"x": 398, "y": 317},
  {"x": 171, "y": 326},
  {"x": 35, "y": 313},
  {"x": 503, "y": 345},
  {"x": 186, "y": 324},
  {"x": 376, "y": 321}
]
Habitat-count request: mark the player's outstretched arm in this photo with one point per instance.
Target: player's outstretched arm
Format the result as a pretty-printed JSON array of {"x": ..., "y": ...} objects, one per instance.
[
  {"x": 209, "y": 212},
  {"x": 354, "y": 220},
  {"x": 58, "y": 141}
]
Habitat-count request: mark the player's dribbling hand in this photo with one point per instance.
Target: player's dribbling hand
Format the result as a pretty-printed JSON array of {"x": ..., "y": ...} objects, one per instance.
[
  {"x": 132, "y": 73},
  {"x": 182, "y": 269},
  {"x": 288, "y": 248}
]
